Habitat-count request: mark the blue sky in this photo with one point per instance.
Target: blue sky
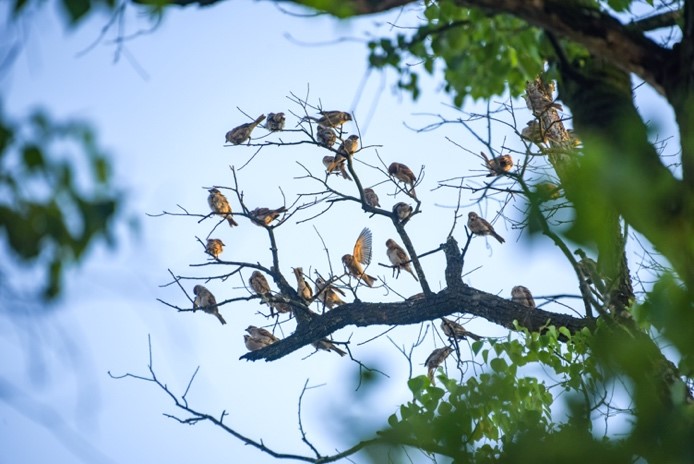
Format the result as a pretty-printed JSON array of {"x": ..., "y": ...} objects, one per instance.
[{"x": 162, "y": 110}]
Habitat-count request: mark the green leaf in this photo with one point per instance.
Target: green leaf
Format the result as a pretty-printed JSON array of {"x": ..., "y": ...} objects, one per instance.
[{"x": 498, "y": 365}]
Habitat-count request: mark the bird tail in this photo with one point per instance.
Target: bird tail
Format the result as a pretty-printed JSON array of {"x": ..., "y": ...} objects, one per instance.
[
  {"x": 338, "y": 351},
  {"x": 473, "y": 336},
  {"x": 232, "y": 223},
  {"x": 497, "y": 236},
  {"x": 412, "y": 193},
  {"x": 343, "y": 171},
  {"x": 260, "y": 119},
  {"x": 409, "y": 269},
  {"x": 221, "y": 319},
  {"x": 430, "y": 374},
  {"x": 368, "y": 280}
]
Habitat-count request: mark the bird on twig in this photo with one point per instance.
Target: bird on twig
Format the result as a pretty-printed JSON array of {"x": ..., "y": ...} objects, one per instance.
[
  {"x": 214, "y": 247},
  {"x": 522, "y": 295},
  {"x": 405, "y": 175},
  {"x": 399, "y": 258},
  {"x": 240, "y": 134},
  {"x": 479, "y": 226},
  {"x": 220, "y": 205},
  {"x": 360, "y": 255},
  {"x": 205, "y": 300}
]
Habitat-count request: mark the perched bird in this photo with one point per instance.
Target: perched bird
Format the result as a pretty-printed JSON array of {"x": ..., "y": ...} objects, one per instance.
[
  {"x": 266, "y": 215},
  {"x": 346, "y": 148},
  {"x": 589, "y": 270},
  {"x": 404, "y": 175},
  {"x": 332, "y": 166},
  {"x": 403, "y": 211},
  {"x": 262, "y": 334},
  {"x": 479, "y": 226},
  {"x": 240, "y": 134},
  {"x": 327, "y": 345},
  {"x": 454, "y": 330},
  {"x": 219, "y": 205},
  {"x": 498, "y": 165},
  {"x": 349, "y": 146},
  {"x": 435, "y": 359},
  {"x": 547, "y": 191},
  {"x": 260, "y": 286},
  {"x": 326, "y": 136},
  {"x": 214, "y": 247},
  {"x": 302, "y": 288},
  {"x": 371, "y": 198},
  {"x": 522, "y": 295},
  {"x": 399, "y": 258},
  {"x": 275, "y": 122},
  {"x": 328, "y": 294},
  {"x": 333, "y": 118},
  {"x": 360, "y": 255},
  {"x": 534, "y": 133},
  {"x": 280, "y": 307},
  {"x": 254, "y": 344},
  {"x": 205, "y": 300}
]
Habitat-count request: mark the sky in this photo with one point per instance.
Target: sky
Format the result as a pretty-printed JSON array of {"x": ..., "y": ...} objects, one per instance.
[{"x": 162, "y": 107}]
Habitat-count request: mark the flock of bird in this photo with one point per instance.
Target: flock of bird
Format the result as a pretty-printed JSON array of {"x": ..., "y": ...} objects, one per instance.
[{"x": 327, "y": 294}]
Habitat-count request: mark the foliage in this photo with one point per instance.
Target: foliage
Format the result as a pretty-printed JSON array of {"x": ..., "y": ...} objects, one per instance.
[{"x": 58, "y": 196}]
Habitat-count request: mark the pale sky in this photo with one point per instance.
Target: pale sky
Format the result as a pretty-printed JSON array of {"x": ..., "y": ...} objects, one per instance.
[{"x": 162, "y": 111}]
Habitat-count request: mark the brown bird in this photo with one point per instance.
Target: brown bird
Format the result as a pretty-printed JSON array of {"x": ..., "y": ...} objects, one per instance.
[
  {"x": 349, "y": 146},
  {"x": 333, "y": 166},
  {"x": 262, "y": 334},
  {"x": 522, "y": 295},
  {"x": 399, "y": 258},
  {"x": 328, "y": 294},
  {"x": 498, "y": 165},
  {"x": 371, "y": 198},
  {"x": 547, "y": 191},
  {"x": 240, "y": 134},
  {"x": 266, "y": 215},
  {"x": 534, "y": 133},
  {"x": 333, "y": 118},
  {"x": 220, "y": 205},
  {"x": 214, "y": 247},
  {"x": 435, "y": 359},
  {"x": 326, "y": 136},
  {"x": 454, "y": 330},
  {"x": 205, "y": 300},
  {"x": 360, "y": 255},
  {"x": 260, "y": 286},
  {"x": 403, "y": 211},
  {"x": 254, "y": 344},
  {"x": 280, "y": 307},
  {"x": 479, "y": 226},
  {"x": 327, "y": 345},
  {"x": 275, "y": 122},
  {"x": 302, "y": 288},
  {"x": 404, "y": 175}
]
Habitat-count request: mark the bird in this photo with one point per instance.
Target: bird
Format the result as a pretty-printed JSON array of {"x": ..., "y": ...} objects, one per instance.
[
  {"x": 522, "y": 295},
  {"x": 328, "y": 294},
  {"x": 302, "y": 287},
  {"x": 214, "y": 247},
  {"x": 240, "y": 134},
  {"x": 479, "y": 226},
  {"x": 589, "y": 270},
  {"x": 498, "y": 165},
  {"x": 454, "y": 330},
  {"x": 360, "y": 255},
  {"x": 205, "y": 300},
  {"x": 349, "y": 146},
  {"x": 398, "y": 258},
  {"x": 546, "y": 191},
  {"x": 327, "y": 345},
  {"x": 332, "y": 118},
  {"x": 435, "y": 359},
  {"x": 403, "y": 211},
  {"x": 334, "y": 167},
  {"x": 275, "y": 122},
  {"x": 254, "y": 344},
  {"x": 260, "y": 286},
  {"x": 262, "y": 334},
  {"x": 265, "y": 216},
  {"x": 404, "y": 175},
  {"x": 371, "y": 198},
  {"x": 326, "y": 136},
  {"x": 220, "y": 205}
]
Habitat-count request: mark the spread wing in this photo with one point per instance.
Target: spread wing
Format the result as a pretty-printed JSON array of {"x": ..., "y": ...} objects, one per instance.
[{"x": 362, "y": 248}]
